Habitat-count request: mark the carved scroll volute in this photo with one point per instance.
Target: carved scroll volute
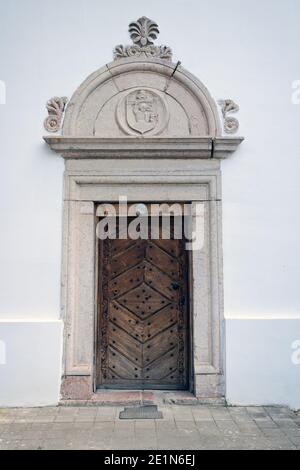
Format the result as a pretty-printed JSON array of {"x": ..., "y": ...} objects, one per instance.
[
  {"x": 231, "y": 124},
  {"x": 56, "y": 107}
]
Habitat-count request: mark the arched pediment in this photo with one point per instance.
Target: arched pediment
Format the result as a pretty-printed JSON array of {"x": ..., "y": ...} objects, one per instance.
[
  {"x": 142, "y": 101},
  {"x": 142, "y": 98}
]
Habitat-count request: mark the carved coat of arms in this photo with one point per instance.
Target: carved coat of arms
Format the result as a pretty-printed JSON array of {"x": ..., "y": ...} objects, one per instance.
[{"x": 142, "y": 111}]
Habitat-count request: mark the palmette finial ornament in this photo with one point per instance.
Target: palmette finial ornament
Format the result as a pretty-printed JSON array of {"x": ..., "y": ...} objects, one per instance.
[{"x": 143, "y": 32}]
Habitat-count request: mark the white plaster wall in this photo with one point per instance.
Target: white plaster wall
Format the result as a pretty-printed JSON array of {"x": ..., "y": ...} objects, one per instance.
[
  {"x": 30, "y": 363},
  {"x": 263, "y": 362},
  {"x": 245, "y": 50}
]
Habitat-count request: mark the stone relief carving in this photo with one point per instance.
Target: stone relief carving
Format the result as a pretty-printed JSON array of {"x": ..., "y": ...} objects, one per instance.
[
  {"x": 231, "y": 124},
  {"x": 56, "y": 107},
  {"x": 143, "y": 32},
  {"x": 163, "y": 52},
  {"x": 142, "y": 111}
]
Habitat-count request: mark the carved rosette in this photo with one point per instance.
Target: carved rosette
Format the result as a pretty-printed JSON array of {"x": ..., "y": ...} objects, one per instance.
[
  {"x": 231, "y": 124},
  {"x": 143, "y": 32},
  {"x": 56, "y": 107}
]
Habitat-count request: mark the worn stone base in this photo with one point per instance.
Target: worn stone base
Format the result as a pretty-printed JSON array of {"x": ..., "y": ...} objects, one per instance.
[
  {"x": 76, "y": 388},
  {"x": 113, "y": 398},
  {"x": 133, "y": 397},
  {"x": 187, "y": 398},
  {"x": 209, "y": 387}
]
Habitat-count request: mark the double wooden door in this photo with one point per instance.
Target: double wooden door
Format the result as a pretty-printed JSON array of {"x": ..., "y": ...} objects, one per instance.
[{"x": 143, "y": 314}]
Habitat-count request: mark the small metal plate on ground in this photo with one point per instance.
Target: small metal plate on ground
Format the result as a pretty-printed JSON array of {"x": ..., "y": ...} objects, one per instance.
[{"x": 141, "y": 412}]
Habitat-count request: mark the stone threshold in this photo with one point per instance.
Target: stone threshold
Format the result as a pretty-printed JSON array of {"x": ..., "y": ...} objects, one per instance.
[{"x": 136, "y": 397}]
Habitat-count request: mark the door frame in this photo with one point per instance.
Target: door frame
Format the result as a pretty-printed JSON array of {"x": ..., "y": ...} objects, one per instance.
[{"x": 90, "y": 182}]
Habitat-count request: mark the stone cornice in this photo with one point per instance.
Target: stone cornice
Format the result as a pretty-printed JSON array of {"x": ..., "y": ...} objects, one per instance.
[{"x": 150, "y": 147}]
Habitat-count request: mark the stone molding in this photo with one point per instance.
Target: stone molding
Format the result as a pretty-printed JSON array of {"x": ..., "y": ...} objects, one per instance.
[
  {"x": 91, "y": 147},
  {"x": 88, "y": 182}
]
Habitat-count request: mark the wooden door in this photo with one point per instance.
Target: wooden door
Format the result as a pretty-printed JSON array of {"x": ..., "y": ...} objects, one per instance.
[{"x": 143, "y": 315}]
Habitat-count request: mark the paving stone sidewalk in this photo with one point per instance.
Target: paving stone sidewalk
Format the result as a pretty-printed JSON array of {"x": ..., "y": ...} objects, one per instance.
[{"x": 183, "y": 428}]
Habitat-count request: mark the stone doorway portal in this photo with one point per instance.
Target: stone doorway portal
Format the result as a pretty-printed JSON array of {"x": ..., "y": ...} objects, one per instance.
[{"x": 145, "y": 128}]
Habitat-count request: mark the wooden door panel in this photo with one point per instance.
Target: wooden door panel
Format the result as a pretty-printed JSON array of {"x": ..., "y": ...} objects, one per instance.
[
  {"x": 170, "y": 246},
  {"x": 161, "y": 320},
  {"x": 122, "y": 245},
  {"x": 121, "y": 367},
  {"x": 161, "y": 282},
  {"x": 125, "y": 344},
  {"x": 143, "y": 318},
  {"x": 125, "y": 320},
  {"x": 162, "y": 368},
  {"x": 143, "y": 301},
  {"x": 162, "y": 260},
  {"x": 127, "y": 258},
  {"x": 126, "y": 281},
  {"x": 160, "y": 344}
]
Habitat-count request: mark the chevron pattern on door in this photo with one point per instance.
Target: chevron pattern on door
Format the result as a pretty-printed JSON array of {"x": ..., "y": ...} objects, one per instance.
[{"x": 142, "y": 328}]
